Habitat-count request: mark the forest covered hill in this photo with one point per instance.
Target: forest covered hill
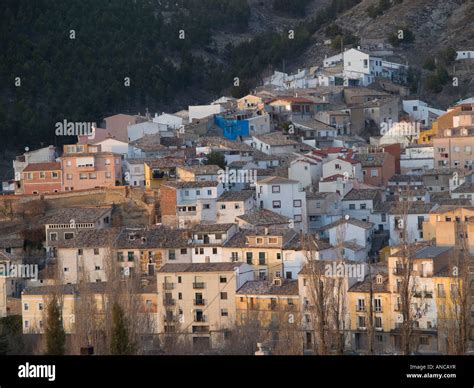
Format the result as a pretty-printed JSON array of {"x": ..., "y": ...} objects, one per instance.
[{"x": 71, "y": 60}]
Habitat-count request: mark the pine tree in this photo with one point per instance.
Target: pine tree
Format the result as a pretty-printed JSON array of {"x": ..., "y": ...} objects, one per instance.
[
  {"x": 120, "y": 342},
  {"x": 55, "y": 335}
]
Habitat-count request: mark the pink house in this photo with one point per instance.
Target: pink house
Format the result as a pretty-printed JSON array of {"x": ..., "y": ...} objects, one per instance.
[{"x": 85, "y": 166}]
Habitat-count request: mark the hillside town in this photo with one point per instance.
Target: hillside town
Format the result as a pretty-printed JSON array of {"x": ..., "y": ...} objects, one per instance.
[{"x": 326, "y": 212}]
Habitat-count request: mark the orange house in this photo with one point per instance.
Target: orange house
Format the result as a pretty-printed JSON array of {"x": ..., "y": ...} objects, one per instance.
[
  {"x": 85, "y": 167},
  {"x": 41, "y": 178}
]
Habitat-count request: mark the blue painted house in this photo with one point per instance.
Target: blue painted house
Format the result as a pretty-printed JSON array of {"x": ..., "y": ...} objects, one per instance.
[{"x": 233, "y": 126}]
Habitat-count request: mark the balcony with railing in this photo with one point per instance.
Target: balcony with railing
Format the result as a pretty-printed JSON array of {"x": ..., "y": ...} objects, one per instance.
[
  {"x": 200, "y": 318},
  {"x": 199, "y": 302},
  {"x": 168, "y": 286},
  {"x": 199, "y": 285},
  {"x": 200, "y": 329},
  {"x": 360, "y": 308}
]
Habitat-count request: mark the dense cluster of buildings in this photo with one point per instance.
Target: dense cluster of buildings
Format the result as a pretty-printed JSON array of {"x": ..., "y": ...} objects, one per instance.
[{"x": 248, "y": 196}]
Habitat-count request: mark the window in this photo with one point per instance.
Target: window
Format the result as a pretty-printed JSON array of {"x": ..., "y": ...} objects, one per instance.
[
  {"x": 66, "y": 269},
  {"x": 80, "y": 252},
  {"x": 180, "y": 295},
  {"x": 298, "y": 218},
  {"x": 297, "y": 203},
  {"x": 378, "y": 322},
  {"x": 171, "y": 254},
  {"x": 276, "y": 204},
  {"x": 278, "y": 256},
  {"x": 68, "y": 235},
  {"x": 374, "y": 173},
  {"x": 97, "y": 268},
  {"x": 224, "y": 313},
  {"x": 179, "y": 279},
  {"x": 108, "y": 175},
  {"x": 53, "y": 237},
  {"x": 272, "y": 240},
  {"x": 289, "y": 275},
  {"x": 352, "y": 206},
  {"x": 360, "y": 305},
  {"x": 40, "y": 306},
  {"x": 206, "y": 206},
  {"x": 69, "y": 177},
  {"x": 214, "y": 251},
  {"x": 361, "y": 322},
  {"x": 25, "y": 307},
  {"x": 224, "y": 295},
  {"x": 42, "y": 175},
  {"x": 184, "y": 251},
  {"x": 249, "y": 258},
  {"x": 363, "y": 206},
  {"x": 275, "y": 189},
  {"x": 235, "y": 256},
  {"x": 223, "y": 206},
  {"x": 131, "y": 256},
  {"x": 261, "y": 258},
  {"x": 96, "y": 251},
  {"x": 424, "y": 340},
  {"x": 222, "y": 279},
  {"x": 378, "y": 305},
  {"x": 259, "y": 240}
]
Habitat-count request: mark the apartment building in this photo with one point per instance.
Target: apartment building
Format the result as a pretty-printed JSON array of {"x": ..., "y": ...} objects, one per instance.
[
  {"x": 35, "y": 301},
  {"x": 375, "y": 290},
  {"x": 85, "y": 167},
  {"x": 272, "y": 252},
  {"x": 198, "y": 300},
  {"x": 283, "y": 196}
]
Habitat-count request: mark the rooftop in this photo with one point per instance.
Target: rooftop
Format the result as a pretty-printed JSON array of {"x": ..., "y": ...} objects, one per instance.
[
  {"x": 199, "y": 267},
  {"x": 263, "y": 287}
]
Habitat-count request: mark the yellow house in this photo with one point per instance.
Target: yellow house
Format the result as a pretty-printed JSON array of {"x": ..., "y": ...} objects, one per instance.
[
  {"x": 359, "y": 301},
  {"x": 249, "y": 102},
  {"x": 161, "y": 170},
  {"x": 196, "y": 301},
  {"x": 272, "y": 253},
  {"x": 34, "y": 304},
  {"x": 272, "y": 303},
  {"x": 198, "y": 173},
  {"x": 426, "y": 136}
]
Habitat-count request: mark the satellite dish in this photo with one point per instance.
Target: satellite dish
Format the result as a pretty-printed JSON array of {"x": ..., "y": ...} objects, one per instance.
[
  {"x": 347, "y": 216},
  {"x": 27, "y": 149}
]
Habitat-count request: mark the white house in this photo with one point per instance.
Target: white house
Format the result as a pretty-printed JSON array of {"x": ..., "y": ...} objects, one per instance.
[
  {"x": 283, "y": 196},
  {"x": 346, "y": 167},
  {"x": 134, "y": 170},
  {"x": 170, "y": 120},
  {"x": 208, "y": 241},
  {"x": 274, "y": 143},
  {"x": 336, "y": 184},
  {"x": 360, "y": 203},
  {"x": 137, "y": 131},
  {"x": 306, "y": 169},
  {"x": 417, "y": 158},
  {"x": 197, "y": 112},
  {"x": 233, "y": 204},
  {"x": 414, "y": 216},
  {"x": 420, "y": 111}
]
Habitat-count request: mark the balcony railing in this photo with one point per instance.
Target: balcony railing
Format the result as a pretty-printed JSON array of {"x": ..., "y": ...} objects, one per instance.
[
  {"x": 199, "y": 302},
  {"x": 199, "y": 285},
  {"x": 168, "y": 302},
  {"x": 360, "y": 308},
  {"x": 168, "y": 286},
  {"x": 200, "y": 318},
  {"x": 200, "y": 329}
]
